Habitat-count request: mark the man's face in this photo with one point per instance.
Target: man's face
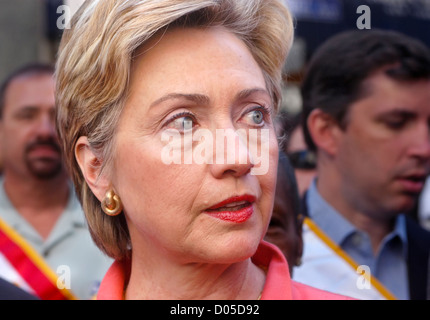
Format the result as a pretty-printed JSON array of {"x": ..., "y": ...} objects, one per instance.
[
  {"x": 384, "y": 153},
  {"x": 28, "y": 137}
]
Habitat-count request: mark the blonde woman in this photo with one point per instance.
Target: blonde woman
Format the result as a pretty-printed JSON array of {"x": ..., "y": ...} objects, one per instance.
[{"x": 142, "y": 88}]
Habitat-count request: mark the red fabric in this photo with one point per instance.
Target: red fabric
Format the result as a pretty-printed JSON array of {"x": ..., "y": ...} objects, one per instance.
[
  {"x": 29, "y": 271},
  {"x": 278, "y": 286},
  {"x": 113, "y": 283}
]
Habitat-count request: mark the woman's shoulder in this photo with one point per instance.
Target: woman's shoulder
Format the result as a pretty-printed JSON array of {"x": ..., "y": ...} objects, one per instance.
[{"x": 302, "y": 291}]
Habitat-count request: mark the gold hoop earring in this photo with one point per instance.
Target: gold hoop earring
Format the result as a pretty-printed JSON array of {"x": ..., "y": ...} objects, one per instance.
[{"x": 111, "y": 204}]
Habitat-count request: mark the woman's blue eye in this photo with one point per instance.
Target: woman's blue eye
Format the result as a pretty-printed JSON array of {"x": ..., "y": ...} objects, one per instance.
[
  {"x": 183, "y": 123},
  {"x": 255, "y": 117}
]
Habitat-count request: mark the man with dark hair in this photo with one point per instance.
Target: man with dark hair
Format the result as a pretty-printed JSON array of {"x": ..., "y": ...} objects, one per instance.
[
  {"x": 30, "y": 87},
  {"x": 366, "y": 105},
  {"x": 36, "y": 68},
  {"x": 45, "y": 246}
]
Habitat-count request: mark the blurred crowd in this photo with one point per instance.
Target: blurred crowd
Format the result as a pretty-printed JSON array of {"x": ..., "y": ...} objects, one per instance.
[{"x": 351, "y": 207}]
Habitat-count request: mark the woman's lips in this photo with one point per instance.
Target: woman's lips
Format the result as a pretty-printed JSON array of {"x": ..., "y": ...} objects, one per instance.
[{"x": 236, "y": 209}]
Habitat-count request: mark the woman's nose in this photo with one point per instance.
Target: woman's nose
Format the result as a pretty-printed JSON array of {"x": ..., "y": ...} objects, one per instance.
[{"x": 231, "y": 154}]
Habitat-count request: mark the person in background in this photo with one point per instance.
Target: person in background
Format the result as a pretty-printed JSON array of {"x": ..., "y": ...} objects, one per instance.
[
  {"x": 366, "y": 115},
  {"x": 131, "y": 92},
  {"x": 285, "y": 227},
  {"x": 45, "y": 245},
  {"x": 302, "y": 159}
]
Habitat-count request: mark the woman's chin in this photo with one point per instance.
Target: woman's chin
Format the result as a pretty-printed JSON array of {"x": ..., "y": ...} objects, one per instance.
[{"x": 233, "y": 251}]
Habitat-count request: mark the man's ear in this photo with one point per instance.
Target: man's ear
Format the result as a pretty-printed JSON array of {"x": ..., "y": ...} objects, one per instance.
[
  {"x": 324, "y": 130},
  {"x": 91, "y": 168}
]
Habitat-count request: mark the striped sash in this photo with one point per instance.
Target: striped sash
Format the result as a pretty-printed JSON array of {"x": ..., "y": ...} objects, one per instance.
[{"x": 23, "y": 266}]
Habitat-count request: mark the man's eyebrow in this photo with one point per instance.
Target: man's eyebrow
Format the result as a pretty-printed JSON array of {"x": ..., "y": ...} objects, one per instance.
[
  {"x": 196, "y": 98},
  {"x": 27, "y": 108},
  {"x": 397, "y": 112}
]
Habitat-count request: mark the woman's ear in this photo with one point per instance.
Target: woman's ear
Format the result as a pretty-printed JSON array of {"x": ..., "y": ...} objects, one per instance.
[
  {"x": 91, "y": 168},
  {"x": 324, "y": 131}
]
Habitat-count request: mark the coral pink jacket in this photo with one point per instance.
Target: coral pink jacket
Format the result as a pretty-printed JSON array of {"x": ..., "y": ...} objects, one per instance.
[{"x": 278, "y": 286}]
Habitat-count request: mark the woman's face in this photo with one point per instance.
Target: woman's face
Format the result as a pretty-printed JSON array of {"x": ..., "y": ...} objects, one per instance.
[{"x": 195, "y": 152}]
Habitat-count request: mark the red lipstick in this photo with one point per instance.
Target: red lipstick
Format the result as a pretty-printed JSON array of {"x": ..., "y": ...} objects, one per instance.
[{"x": 236, "y": 209}]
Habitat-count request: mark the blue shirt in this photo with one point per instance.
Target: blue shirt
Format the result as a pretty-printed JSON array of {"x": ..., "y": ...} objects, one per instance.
[{"x": 389, "y": 265}]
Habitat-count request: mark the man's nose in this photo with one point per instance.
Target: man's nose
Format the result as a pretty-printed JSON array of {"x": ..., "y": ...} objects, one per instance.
[
  {"x": 420, "y": 148},
  {"x": 45, "y": 127}
]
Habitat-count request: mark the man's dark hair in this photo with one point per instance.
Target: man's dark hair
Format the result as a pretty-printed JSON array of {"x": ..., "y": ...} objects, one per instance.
[
  {"x": 287, "y": 176},
  {"x": 339, "y": 67},
  {"x": 29, "y": 69}
]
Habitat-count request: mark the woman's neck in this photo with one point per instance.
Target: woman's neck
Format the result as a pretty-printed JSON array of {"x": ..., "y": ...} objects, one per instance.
[{"x": 171, "y": 281}]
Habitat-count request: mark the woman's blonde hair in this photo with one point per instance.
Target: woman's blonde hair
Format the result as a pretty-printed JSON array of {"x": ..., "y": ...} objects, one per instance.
[{"x": 94, "y": 65}]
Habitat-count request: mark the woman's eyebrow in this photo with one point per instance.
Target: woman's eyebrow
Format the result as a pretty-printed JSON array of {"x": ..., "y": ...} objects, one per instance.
[
  {"x": 196, "y": 98},
  {"x": 203, "y": 99},
  {"x": 248, "y": 92}
]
